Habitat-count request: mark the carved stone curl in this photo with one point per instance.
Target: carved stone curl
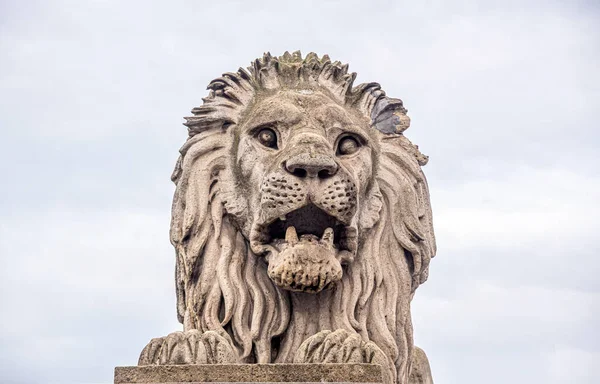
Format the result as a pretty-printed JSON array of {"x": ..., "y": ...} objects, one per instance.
[{"x": 301, "y": 222}]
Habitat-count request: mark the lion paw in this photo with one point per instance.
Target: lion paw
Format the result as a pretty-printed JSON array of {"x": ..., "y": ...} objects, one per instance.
[
  {"x": 340, "y": 346},
  {"x": 191, "y": 347}
]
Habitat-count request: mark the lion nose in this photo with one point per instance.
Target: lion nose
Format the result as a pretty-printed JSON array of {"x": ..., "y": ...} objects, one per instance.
[{"x": 307, "y": 165}]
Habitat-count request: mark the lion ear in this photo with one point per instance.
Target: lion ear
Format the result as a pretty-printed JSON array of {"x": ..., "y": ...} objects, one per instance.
[{"x": 389, "y": 116}]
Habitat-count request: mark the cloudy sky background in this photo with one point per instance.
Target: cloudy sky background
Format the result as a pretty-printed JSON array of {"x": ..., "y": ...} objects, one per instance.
[{"x": 503, "y": 97}]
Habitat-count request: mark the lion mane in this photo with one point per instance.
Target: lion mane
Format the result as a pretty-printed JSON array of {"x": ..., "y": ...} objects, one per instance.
[{"x": 222, "y": 285}]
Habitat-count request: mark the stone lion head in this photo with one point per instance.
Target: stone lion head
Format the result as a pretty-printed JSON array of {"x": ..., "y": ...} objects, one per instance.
[{"x": 300, "y": 206}]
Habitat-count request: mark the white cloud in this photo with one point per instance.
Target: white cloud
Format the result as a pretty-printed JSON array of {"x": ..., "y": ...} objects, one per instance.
[
  {"x": 516, "y": 332},
  {"x": 571, "y": 365},
  {"x": 76, "y": 285},
  {"x": 522, "y": 208}
]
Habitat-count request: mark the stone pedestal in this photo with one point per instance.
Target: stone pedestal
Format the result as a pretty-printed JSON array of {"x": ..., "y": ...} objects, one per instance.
[{"x": 249, "y": 373}]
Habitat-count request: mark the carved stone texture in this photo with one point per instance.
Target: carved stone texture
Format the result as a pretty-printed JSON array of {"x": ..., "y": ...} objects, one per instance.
[
  {"x": 420, "y": 372},
  {"x": 236, "y": 373},
  {"x": 301, "y": 223}
]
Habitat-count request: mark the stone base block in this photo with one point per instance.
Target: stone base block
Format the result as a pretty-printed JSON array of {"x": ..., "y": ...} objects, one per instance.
[{"x": 249, "y": 373}]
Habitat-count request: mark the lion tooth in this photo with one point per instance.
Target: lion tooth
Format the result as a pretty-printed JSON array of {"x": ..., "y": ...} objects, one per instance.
[
  {"x": 328, "y": 236},
  {"x": 290, "y": 234},
  {"x": 282, "y": 218}
]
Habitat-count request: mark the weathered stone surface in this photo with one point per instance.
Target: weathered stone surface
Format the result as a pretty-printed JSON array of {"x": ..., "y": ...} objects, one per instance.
[
  {"x": 420, "y": 372},
  {"x": 235, "y": 373},
  {"x": 301, "y": 223}
]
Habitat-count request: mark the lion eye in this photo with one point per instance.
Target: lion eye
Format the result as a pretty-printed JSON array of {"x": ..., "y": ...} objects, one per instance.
[
  {"x": 267, "y": 137},
  {"x": 348, "y": 145}
]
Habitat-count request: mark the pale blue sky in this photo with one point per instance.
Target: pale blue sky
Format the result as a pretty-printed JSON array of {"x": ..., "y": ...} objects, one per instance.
[{"x": 503, "y": 97}]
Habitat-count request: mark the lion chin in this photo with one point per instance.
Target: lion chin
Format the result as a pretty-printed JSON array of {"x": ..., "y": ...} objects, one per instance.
[{"x": 301, "y": 223}]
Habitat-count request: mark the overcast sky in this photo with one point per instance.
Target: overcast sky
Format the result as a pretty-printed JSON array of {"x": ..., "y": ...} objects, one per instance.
[{"x": 503, "y": 97}]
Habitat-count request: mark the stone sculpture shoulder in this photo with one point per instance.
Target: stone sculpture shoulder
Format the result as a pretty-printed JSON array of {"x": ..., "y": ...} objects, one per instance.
[{"x": 301, "y": 222}]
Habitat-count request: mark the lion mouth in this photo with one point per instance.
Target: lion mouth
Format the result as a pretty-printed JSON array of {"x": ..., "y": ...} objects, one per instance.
[
  {"x": 306, "y": 224},
  {"x": 305, "y": 248}
]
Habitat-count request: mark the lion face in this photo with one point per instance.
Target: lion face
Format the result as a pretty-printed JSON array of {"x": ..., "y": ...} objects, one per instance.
[{"x": 304, "y": 163}]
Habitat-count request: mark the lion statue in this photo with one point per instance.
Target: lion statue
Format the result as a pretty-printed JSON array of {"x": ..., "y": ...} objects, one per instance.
[{"x": 301, "y": 223}]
